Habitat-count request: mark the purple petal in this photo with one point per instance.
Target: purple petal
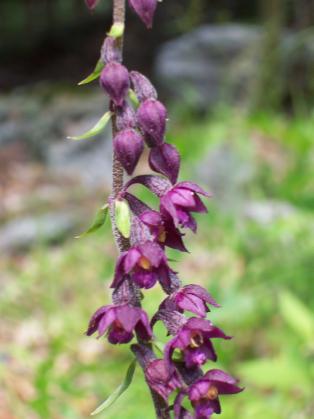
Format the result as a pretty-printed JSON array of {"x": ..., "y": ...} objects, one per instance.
[
  {"x": 185, "y": 414},
  {"x": 119, "y": 271},
  {"x": 144, "y": 278},
  {"x": 215, "y": 404},
  {"x": 177, "y": 404},
  {"x": 194, "y": 357},
  {"x": 182, "y": 197},
  {"x": 131, "y": 259},
  {"x": 193, "y": 187},
  {"x": 156, "y": 184},
  {"x": 117, "y": 335},
  {"x": 167, "y": 209},
  {"x": 204, "y": 411},
  {"x": 136, "y": 205},
  {"x": 152, "y": 218},
  {"x": 200, "y": 292},
  {"x": 143, "y": 328},
  {"x": 163, "y": 273},
  {"x": 224, "y": 382},
  {"x": 191, "y": 303},
  {"x": 152, "y": 252},
  {"x": 208, "y": 350},
  {"x": 106, "y": 321},
  {"x": 128, "y": 146},
  {"x": 174, "y": 238},
  {"x": 198, "y": 207},
  {"x": 165, "y": 159},
  {"x": 94, "y": 321},
  {"x": 168, "y": 351},
  {"x": 199, "y": 390},
  {"x": 128, "y": 316}
]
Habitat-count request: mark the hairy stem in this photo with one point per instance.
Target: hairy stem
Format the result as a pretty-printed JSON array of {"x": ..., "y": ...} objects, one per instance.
[{"x": 123, "y": 244}]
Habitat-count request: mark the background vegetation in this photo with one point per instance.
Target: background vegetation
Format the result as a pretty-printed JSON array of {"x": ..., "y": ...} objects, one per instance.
[{"x": 253, "y": 251}]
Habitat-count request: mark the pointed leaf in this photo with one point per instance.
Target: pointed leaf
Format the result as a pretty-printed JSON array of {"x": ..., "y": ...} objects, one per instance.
[
  {"x": 97, "y": 128},
  {"x": 116, "y": 30},
  {"x": 96, "y": 73},
  {"x": 122, "y": 216},
  {"x": 100, "y": 220},
  {"x": 172, "y": 260},
  {"x": 121, "y": 389},
  {"x": 133, "y": 98},
  {"x": 297, "y": 315}
]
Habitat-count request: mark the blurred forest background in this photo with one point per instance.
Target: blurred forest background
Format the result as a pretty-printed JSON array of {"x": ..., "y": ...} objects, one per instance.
[{"x": 237, "y": 77}]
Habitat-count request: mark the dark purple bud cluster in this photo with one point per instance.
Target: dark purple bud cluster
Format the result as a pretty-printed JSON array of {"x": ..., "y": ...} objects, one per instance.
[{"x": 143, "y": 262}]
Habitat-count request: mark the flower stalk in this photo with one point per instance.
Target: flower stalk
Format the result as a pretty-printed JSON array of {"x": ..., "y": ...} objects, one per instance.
[{"x": 142, "y": 236}]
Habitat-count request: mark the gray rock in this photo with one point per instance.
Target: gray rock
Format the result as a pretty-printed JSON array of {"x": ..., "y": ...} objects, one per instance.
[
  {"x": 24, "y": 232},
  {"x": 219, "y": 62}
]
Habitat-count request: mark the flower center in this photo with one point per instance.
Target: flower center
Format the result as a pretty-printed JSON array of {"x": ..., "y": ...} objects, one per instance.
[
  {"x": 162, "y": 235},
  {"x": 212, "y": 393},
  {"x": 144, "y": 262},
  {"x": 196, "y": 340}
]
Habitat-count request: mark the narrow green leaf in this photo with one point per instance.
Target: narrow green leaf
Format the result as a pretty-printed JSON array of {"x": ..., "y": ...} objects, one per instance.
[
  {"x": 133, "y": 98},
  {"x": 97, "y": 128},
  {"x": 116, "y": 30},
  {"x": 142, "y": 295},
  {"x": 172, "y": 260},
  {"x": 96, "y": 73},
  {"x": 99, "y": 222},
  {"x": 122, "y": 215},
  {"x": 121, "y": 389},
  {"x": 298, "y": 316}
]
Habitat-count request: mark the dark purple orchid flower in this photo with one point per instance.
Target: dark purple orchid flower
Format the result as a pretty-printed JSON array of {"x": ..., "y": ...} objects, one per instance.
[
  {"x": 158, "y": 379},
  {"x": 204, "y": 393},
  {"x": 149, "y": 263},
  {"x": 165, "y": 159},
  {"x": 120, "y": 321},
  {"x": 180, "y": 201},
  {"x": 145, "y": 9},
  {"x": 176, "y": 202},
  {"x": 91, "y": 4},
  {"x": 191, "y": 298},
  {"x": 114, "y": 80},
  {"x": 194, "y": 342},
  {"x": 163, "y": 231},
  {"x": 151, "y": 118},
  {"x": 128, "y": 146}
]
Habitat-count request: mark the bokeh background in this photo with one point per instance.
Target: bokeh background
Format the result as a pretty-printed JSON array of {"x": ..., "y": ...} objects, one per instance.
[{"x": 237, "y": 77}]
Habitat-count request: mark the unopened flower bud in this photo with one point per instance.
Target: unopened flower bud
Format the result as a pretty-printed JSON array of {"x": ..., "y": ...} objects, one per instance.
[
  {"x": 151, "y": 118},
  {"x": 91, "y": 4},
  {"x": 125, "y": 117},
  {"x": 128, "y": 146},
  {"x": 114, "y": 81},
  {"x": 145, "y": 9},
  {"x": 110, "y": 51},
  {"x": 143, "y": 88},
  {"x": 165, "y": 159}
]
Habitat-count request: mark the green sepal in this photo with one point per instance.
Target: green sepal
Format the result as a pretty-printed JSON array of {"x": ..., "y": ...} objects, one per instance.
[
  {"x": 142, "y": 295},
  {"x": 96, "y": 73},
  {"x": 116, "y": 30},
  {"x": 172, "y": 260},
  {"x": 121, "y": 389},
  {"x": 134, "y": 98},
  {"x": 98, "y": 223},
  {"x": 97, "y": 128},
  {"x": 122, "y": 216}
]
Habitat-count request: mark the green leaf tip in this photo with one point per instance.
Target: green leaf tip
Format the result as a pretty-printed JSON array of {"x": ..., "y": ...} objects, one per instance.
[
  {"x": 121, "y": 389},
  {"x": 99, "y": 222},
  {"x": 122, "y": 216},
  {"x": 116, "y": 30},
  {"x": 134, "y": 98},
  {"x": 97, "y": 128},
  {"x": 96, "y": 73}
]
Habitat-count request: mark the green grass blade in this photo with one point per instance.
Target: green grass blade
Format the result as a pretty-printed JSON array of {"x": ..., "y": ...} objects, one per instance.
[
  {"x": 97, "y": 128},
  {"x": 99, "y": 222},
  {"x": 121, "y": 389},
  {"x": 96, "y": 73}
]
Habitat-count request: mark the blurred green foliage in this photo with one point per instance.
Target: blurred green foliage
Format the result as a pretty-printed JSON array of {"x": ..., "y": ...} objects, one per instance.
[{"x": 261, "y": 272}]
